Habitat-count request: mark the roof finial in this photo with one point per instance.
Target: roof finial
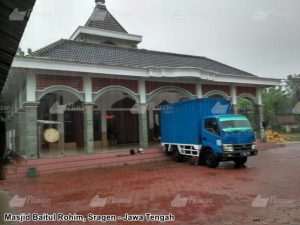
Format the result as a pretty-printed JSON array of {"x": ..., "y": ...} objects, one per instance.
[{"x": 102, "y": 2}]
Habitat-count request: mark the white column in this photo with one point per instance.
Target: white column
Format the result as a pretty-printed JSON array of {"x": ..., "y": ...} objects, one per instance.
[
  {"x": 143, "y": 114},
  {"x": 258, "y": 95},
  {"x": 30, "y": 87},
  {"x": 16, "y": 101},
  {"x": 142, "y": 91},
  {"x": 88, "y": 115},
  {"x": 233, "y": 94},
  {"x": 233, "y": 98},
  {"x": 199, "y": 92},
  {"x": 88, "y": 128},
  {"x": 14, "y": 123},
  {"x": 260, "y": 112},
  {"x": 61, "y": 119},
  {"x": 7, "y": 131},
  {"x": 87, "y": 82},
  {"x": 30, "y": 126},
  {"x": 20, "y": 99},
  {"x": 30, "y": 130}
]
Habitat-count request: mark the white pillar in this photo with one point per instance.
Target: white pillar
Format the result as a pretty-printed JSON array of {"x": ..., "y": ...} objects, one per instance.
[
  {"x": 30, "y": 87},
  {"x": 7, "y": 132},
  {"x": 88, "y": 114},
  {"x": 87, "y": 82},
  {"x": 258, "y": 95},
  {"x": 30, "y": 130},
  {"x": 233, "y": 98},
  {"x": 260, "y": 112},
  {"x": 142, "y": 91},
  {"x": 199, "y": 91},
  {"x": 143, "y": 114},
  {"x": 16, "y": 101},
  {"x": 20, "y": 99},
  {"x": 31, "y": 106},
  {"x": 61, "y": 118},
  {"x": 233, "y": 94},
  {"x": 88, "y": 128}
]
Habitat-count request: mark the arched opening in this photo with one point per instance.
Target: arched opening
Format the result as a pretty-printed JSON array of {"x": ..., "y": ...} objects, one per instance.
[
  {"x": 216, "y": 96},
  {"x": 59, "y": 88},
  {"x": 60, "y": 116},
  {"x": 247, "y": 107},
  {"x": 155, "y": 102},
  {"x": 114, "y": 123}
]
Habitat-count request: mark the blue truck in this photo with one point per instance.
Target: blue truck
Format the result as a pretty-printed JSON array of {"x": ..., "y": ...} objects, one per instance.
[{"x": 207, "y": 129}]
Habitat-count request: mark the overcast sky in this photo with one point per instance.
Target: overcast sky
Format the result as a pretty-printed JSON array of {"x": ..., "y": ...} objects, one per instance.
[{"x": 258, "y": 36}]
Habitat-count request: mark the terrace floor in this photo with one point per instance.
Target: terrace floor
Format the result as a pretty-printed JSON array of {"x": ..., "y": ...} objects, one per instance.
[{"x": 265, "y": 191}]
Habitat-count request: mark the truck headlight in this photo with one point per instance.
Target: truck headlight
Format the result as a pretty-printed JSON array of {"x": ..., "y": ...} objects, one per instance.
[
  {"x": 253, "y": 146},
  {"x": 228, "y": 148}
]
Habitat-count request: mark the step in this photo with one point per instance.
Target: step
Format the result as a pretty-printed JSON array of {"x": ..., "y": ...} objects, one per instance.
[
  {"x": 104, "y": 159},
  {"x": 71, "y": 163}
]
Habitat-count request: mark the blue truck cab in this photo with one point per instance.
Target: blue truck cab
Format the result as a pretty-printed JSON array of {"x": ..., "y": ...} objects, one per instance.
[{"x": 206, "y": 128}]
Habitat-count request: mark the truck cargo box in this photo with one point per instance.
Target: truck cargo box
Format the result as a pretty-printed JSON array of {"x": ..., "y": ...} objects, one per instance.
[{"x": 180, "y": 122}]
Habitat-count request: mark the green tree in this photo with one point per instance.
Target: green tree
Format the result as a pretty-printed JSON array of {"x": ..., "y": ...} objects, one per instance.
[
  {"x": 292, "y": 84},
  {"x": 293, "y": 87},
  {"x": 29, "y": 52},
  {"x": 276, "y": 100},
  {"x": 246, "y": 108},
  {"x": 20, "y": 52}
]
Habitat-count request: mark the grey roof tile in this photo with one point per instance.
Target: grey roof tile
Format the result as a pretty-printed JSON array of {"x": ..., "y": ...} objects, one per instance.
[
  {"x": 101, "y": 18},
  {"x": 75, "y": 51}
]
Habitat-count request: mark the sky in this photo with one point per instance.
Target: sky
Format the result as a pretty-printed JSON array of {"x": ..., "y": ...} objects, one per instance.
[{"x": 258, "y": 36}]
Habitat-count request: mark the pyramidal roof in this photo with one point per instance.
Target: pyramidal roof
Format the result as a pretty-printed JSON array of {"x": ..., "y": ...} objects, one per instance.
[{"x": 101, "y": 18}]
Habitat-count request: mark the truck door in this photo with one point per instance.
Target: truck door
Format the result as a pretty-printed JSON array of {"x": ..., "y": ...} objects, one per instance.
[{"x": 211, "y": 135}]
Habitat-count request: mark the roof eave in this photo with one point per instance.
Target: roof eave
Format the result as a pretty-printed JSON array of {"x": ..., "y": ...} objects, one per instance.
[
  {"x": 106, "y": 33},
  {"x": 39, "y": 63}
]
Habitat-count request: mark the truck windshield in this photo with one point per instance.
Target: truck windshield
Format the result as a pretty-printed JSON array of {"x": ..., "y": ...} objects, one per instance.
[{"x": 231, "y": 124}]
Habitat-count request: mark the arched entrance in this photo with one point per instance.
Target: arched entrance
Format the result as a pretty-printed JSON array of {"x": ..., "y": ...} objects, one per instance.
[
  {"x": 155, "y": 101},
  {"x": 216, "y": 94},
  {"x": 115, "y": 124},
  {"x": 247, "y": 107},
  {"x": 60, "y": 113}
]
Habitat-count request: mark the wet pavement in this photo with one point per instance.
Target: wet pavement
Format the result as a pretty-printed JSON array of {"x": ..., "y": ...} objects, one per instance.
[
  {"x": 4, "y": 207},
  {"x": 266, "y": 191}
]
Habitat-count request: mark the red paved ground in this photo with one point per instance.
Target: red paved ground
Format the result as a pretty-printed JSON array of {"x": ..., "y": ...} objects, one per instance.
[{"x": 221, "y": 196}]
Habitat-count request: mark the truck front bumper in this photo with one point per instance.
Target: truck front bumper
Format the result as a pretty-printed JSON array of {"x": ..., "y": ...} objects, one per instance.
[{"x": 236, "y": 154}]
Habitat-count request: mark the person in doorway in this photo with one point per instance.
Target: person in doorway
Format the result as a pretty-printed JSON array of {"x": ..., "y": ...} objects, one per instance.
[{"x": 112, "y": 135}]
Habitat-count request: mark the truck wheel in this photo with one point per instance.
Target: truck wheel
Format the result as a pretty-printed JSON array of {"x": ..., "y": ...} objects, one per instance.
[
  {"x": 176, "y": 154},
  {"x": 166, "y": 150},
  {"x": 201, "y": 159},
  {"x": 2, "y": 174},
  {"x": 240, "y": 161},
  {"x": 211, "y": 159}
]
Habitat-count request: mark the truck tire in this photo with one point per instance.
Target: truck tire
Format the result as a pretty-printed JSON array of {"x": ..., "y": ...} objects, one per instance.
[
  {"x": 211, "y": 159},
  {"x": 2, "y": 174},
  {"x": 240, "y": 161},
  {"x": 166, "y": 150},
  {"x": 201, "y": 158},
  {"x": 176, "y": 154}
]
